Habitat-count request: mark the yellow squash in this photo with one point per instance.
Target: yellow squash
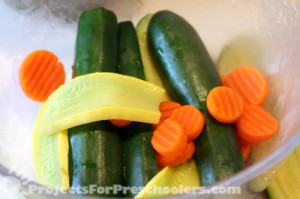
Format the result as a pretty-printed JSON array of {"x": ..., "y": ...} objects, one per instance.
[
  {"x": 100, "y": 96},
  {"x": 86, "y": 99}
]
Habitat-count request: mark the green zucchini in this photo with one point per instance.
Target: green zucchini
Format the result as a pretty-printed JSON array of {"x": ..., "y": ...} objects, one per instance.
[
  {"x": 96, "y": 42},
  {"x": 189, "y": 74},
  {"x": 97, "y": 156},
  {"x": 95, "y": 148},
  {"x": 140, "y": 164},
  {"x": 130, "y": 61}
]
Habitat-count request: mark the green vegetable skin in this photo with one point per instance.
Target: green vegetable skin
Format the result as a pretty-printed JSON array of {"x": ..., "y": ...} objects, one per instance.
[
  {"x": 189, "y": 74},
  {"x": 140, "y": 164},
  {"x": 130, "y": 61},
  {"x": 96, "y": 149},
  {"x": 96, "y": 44}
]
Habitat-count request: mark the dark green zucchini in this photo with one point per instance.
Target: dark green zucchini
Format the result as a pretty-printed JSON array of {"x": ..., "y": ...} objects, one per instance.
[
  {"x": 140, "y": 164},
  {"x": 97, "y": 156},
  {"x": 189, "y": 74},
  {"x": 96, "y": 149},
  {"x": 96, "y": 42},
  {"x": 130, "y": 61}
]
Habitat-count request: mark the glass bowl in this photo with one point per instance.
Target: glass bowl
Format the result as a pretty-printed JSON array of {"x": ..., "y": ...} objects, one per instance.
[{"x": 269, "y": 31}]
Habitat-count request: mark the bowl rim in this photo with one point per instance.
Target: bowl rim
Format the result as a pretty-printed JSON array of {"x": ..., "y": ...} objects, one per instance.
[{"x": 236, "y": 180}]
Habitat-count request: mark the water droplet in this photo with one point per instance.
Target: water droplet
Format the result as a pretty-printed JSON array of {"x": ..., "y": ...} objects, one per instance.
[{"x": 160, "y": 51}]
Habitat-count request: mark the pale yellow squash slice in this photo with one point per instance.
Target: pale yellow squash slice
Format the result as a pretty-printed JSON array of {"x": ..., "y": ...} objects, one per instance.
[
  {"x": 100, "y": 96},
  {"x": 172, "y": 181},
  {"x": 50, "y": 158},
  {"x": 88, "y": 98},
  {"x": 150, "y": 71}
]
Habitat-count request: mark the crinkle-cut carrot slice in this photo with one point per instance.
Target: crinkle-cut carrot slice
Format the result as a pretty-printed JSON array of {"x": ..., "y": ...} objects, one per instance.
[
  {"x": 120, "y": 123},
  {"x": 185, "y": 155},
  {"x": 191, "y": 119},
  {"x": 246, "y": 149},
  {"x": 169, "y": 138},
  {"x": 40, "y": 74},
  {"x": 256, "y": 125},
  {"x": 249, "y": 83},
  {"x": 166, "y": 108},
  {"x": 224, "y": 104}
]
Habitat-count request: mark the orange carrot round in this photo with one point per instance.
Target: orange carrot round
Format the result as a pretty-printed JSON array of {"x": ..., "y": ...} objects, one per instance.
[
  {"x": 166, "y": 108},
  {"x": 185, "y": 155},
  {"x": 249, "y": 83},
  {"x": 191, "y": 119},
  {"x": 256, "y": 125},
  {"x": 169, "y": 138},
  {"x": 224, "y": 104},
  {"x": 222, "y": 78},
  {"x": 242, "y": 141},
  {"x": 246, "y": 149},
  {"x": 40, "y": 74},
  {"x": 120, "y": 123}
]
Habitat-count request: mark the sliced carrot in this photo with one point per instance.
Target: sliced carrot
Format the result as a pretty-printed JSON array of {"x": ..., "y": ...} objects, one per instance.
[
  {"x": 243, "y": 142},
  {"x": 224, "y": 104},
  {"x": 166, "y": 108},
  {"x": 249, "y": 83},
  {"x": 191, "y": 119},
  {"x": 186, "y": 154},
  {"x": 256, "y": 125},
  {"x": 120, "y": 123},
  {"x": 246, "y": 149},
  {"x": 40, "y": 74},
  {"x": 222, "y": 78},
  {"x": 169, "y": 138}
]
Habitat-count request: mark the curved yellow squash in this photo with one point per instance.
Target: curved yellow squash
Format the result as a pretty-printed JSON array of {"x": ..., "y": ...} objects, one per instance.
[
  {"x": 50, "y": 158},
  {"x": 172, "y": 181},
  {"x": 88, "y": 98},
  {"x": 100, "y": 96}
]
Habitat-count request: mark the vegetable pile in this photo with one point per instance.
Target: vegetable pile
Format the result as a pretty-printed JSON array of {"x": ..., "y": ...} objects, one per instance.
[
  {"x": 173, "y": 137},
  {"x": 248, "y": 90},
  {"x": 144, "y": 105}
]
